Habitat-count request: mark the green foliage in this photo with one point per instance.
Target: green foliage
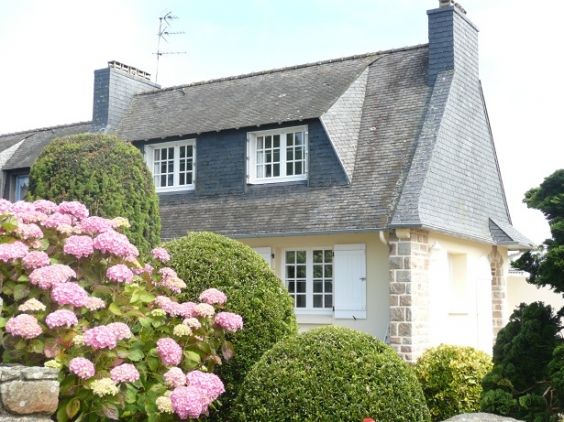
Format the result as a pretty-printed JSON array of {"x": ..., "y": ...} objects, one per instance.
[
  {"x": 206, "y": 260},
  {"x": 546, "y": 265},
  {"x": 139, "y": 303},
  {"x": 527, "y": 355},
  {"x": 451, "y": 378},
  {"x": 107, "y": 175},
  {"x": 331, "y": 374}
]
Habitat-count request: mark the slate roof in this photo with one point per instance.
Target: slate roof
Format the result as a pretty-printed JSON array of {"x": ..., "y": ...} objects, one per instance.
[
  {"x": 280, "y": 95},
  {"x": 33, "y": 143},
  {"x": 391, "y": 114}
]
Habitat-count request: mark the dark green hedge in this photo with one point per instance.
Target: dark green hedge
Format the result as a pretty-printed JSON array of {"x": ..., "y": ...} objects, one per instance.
[
  {"x": 525, "y": 382},
  {"x": 451, "y": 378},
  {"x": 205, "y": 260},
  {"x": 331, "y": 374},
  {"x": 106, "y": 174}
]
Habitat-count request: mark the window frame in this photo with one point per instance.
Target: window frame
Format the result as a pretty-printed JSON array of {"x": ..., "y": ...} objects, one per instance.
[
  {"x": 17, "y": 190},
  {"x": 310, "y": 309},
  {"x": 150, "y": 154},
  {"x": 252, "y": 162}
]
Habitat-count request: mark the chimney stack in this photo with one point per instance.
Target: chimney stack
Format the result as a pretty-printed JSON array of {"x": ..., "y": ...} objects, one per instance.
[
  {"x": 453, "y": 41},
  {"x": 114, "y": 88}
]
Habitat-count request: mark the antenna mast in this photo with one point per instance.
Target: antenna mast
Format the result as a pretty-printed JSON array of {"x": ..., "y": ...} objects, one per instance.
[{"x": 164, "y": 25}]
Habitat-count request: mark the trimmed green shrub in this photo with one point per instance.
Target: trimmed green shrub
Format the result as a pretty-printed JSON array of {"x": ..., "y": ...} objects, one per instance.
[
  {"x": 451, "y": 378},
  {"x": 205, "y": 260},
  {"x": 525, "y": 382},
  {"x": 331, "y": 374},
  {"x": 106, "y": 174}
]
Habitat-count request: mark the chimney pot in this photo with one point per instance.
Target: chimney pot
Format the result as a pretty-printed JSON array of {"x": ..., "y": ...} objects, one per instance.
[{"x": 446, "y": 3}]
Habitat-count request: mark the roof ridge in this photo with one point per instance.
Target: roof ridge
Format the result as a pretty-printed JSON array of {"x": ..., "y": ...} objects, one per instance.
[
  {"x": 43, "y": 129},
  {"x": 281, "y": 69}
]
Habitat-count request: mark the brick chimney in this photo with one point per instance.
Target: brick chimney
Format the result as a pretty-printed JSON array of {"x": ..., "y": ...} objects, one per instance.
[
  {"x": 453, "y": 41},
  {"x": 114, "y": 88}
]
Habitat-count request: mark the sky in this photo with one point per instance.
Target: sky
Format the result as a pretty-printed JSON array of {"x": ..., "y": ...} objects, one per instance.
[{"x": 49, "y": 50}]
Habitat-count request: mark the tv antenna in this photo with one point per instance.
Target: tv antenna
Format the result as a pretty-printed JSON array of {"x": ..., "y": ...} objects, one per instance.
[{"x": 164, "y": 31}]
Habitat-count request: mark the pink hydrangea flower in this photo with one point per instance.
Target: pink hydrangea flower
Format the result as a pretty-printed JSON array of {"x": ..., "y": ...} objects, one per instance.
[
  {"x": 22, "y": 206},
  {"x": 24, "y": 325},
  {"x": 100, "y": 337},
  {"x": 161, "y": 254},
  {"x": 45, "y": 206},
  {"x": 229, "y": 321},
  {"x": 95, "y": 225},
  {"x": 174, "y": 284},
  {"x": 36, "y": 259},
  {"x": 174, "y": 377},
  {"x": 120, "y": 330},
  {"x": 94, "y": 303},
  {"x": 204, "y": 310},
  {"x": 60, "y": 318},
  {"x": 192, "y": 323},
  {"x": 167, "y": 272},
  {"x": 208, "y": 383},
  {"x": 79, "y": 246},
  {"x": 57, "y": 219},
  {"x": 186, "y": 309},
  {"x": 213, "y": 296},
  {"x": 32, "y": 217},
  {"x": 5, "y": 206},
  {"x": 146, "y": 269},
  {"x": 114, "y": 243},
  {"x": 82, "y": 368},
  {"x": 74, "y": 208},
  {"x": 50, "y": 275},
  {"x": 125, "y": 372},
  {"x": 12, "y": 251},
  {"x": 120, "y": 273},
  {"x": 188, "y": 402},
  {"x": 29, "y": 231},
  {"x": 169, "y": 351},
  {"x": 69, "y": 294}
]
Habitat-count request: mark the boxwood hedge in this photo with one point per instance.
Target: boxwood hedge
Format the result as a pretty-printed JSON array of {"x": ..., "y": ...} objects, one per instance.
[
  {"x": 106, "y": 174},
  {"x": 451, "y": 378},
  {"x": 205, "y": 260},
  {"x": 331, "y": 374}
]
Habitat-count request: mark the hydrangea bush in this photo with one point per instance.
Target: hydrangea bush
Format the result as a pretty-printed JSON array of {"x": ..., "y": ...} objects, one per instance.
[{"x": 76, "y": 297}]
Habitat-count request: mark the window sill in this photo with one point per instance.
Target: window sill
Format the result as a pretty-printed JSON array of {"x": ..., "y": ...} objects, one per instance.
[
  {"x": 175, "y": 190},
  {"x": 314, "y": 319}
]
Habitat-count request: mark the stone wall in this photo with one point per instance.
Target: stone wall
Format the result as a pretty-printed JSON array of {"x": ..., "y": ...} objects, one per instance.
[
  {"x": 28, "y": 394},
  {"x": 499, "y": 291},
  {"x": 409, "y": 293}
]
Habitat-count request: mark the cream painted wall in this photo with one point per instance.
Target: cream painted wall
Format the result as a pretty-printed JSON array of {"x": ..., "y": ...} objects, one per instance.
[
  {"x": 460, "y": 292},
  {"x": 520, "y": 291},
  {"x": 377, "y": 278}
]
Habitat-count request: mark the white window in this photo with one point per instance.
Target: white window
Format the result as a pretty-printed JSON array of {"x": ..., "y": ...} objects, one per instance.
[
  {"x": 277, "y": 155},
  {"x": 173, "y": 165},
  {"x": 308, "y": 274}
]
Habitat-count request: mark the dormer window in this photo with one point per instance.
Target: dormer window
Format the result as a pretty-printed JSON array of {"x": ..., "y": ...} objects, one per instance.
[
  {"x": 173, "y": 165},
  {"x": 277, "y": 155}
]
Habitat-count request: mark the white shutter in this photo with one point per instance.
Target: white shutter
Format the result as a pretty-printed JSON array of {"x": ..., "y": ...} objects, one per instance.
[
  {"x": 266, "y": 254},
  {"x": 349, "y": 274}
]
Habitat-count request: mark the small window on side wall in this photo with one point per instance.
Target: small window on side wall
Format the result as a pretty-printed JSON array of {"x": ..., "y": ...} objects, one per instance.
[
  {"x": 277, "y": 155},
  {"x": 173, "y": 165},
  {"x": 22, "y": 186}
]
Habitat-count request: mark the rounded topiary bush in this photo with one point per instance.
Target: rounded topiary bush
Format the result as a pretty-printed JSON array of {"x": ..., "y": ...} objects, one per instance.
[
  {"x": 331, "y": 374},
  {"x": 106, "y": 174},
  {"x": 451, "y": 378},
  {"x": 205, "y": 260}
]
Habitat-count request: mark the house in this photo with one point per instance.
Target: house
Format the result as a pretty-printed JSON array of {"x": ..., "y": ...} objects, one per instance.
[{"x": 369, "y": 183}]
